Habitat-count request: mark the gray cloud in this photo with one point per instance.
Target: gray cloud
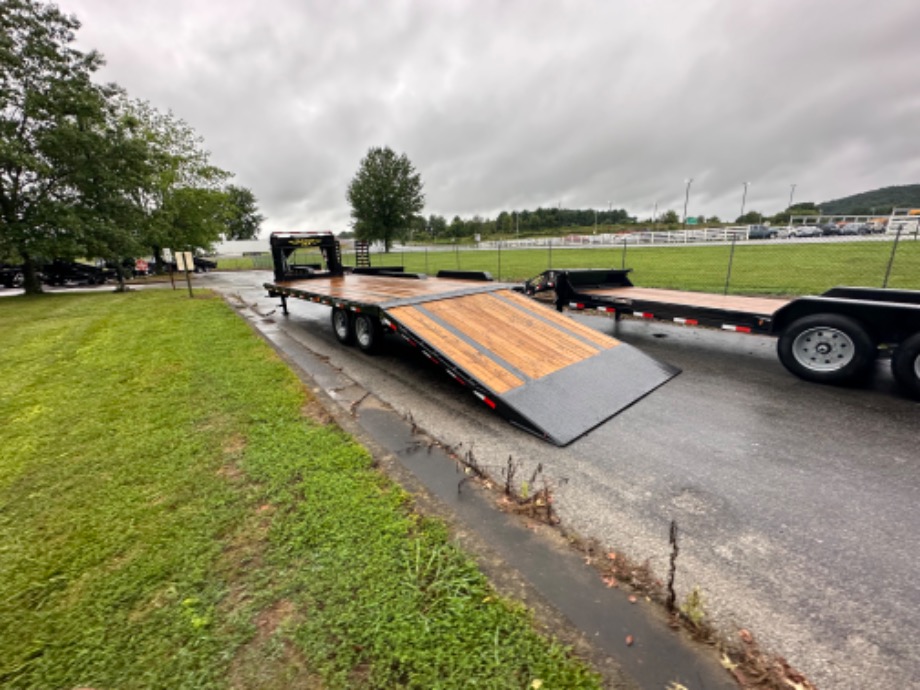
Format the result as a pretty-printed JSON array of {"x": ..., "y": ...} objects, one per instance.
[{"x": 510, "y": 104}]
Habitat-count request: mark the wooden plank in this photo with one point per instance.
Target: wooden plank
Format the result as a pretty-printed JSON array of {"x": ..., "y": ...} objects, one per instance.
[
  {"x": 531, "y": 346},
  {"x": 486, "y": 371},
  {"x": 371, "y": 289},
  {"x": 562, "y": 321},
  {"x": 752, "y": 305}
]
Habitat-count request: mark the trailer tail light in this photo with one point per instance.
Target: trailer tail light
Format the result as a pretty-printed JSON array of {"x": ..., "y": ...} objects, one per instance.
[
  {"x": 687, "y": 322},
  {"x": 607, "y": 310},
  {"x": 356, "y": 309},
  {"x": 737, "y": 329},
  {"x": 643, "y": 315},
  {"x": 576, "y": 305},
  {"x": 488, "y": 401}
]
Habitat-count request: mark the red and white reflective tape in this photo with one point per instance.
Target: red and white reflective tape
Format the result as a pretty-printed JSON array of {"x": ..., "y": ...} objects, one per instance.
[
  {"x": 606, "y": 310},
  {"x": 687, "y": 322},
  {"x": 355, "y": 308},
  {"x": 737, "y": 329},
  {"x": 576, "y": 305},
  {"x": 486, "y": 400},
  {"x": 431, "y": 357},
  {"x": 409, "y": 340},
  {"x": 389, "y": 324},
  {"x": 455, "y": 377},
  {"x": 643, "y": 315}
]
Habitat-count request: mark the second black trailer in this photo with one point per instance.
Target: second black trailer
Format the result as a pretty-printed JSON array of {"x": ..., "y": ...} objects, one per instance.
[{"x": 834, "y": 337}]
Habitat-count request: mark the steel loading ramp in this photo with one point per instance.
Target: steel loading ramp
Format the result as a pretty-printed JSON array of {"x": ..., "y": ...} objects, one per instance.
[{"x": 545, "y": 372}]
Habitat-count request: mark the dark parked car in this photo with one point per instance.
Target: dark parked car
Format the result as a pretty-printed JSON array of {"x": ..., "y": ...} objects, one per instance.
[
  {"x": 762, "y": 232},
  {"x": 11, "y": 276},
  {"x": 60, "y": 272}
]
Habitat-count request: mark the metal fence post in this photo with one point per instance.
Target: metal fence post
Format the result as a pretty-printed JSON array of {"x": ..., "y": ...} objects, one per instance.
[
  {"x": 731, "y": 258},
  {"x": 457, "y": 254},
  {"x": 499, "y": 260},
  {"x": 426, "y": 259},
  {"x": 550, "y": 244},
  {"x": 894, "y": 249},
  {"x": 623, "y": 259}
]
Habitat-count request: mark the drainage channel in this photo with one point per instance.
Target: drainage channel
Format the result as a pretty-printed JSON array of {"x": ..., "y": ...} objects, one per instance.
[{"x": 656, "y": 656}]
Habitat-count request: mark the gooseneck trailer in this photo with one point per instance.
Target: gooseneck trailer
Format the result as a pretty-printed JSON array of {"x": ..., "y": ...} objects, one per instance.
[
  {"x": 834, "y": 337},
  {"x": 541, "y": 370}
]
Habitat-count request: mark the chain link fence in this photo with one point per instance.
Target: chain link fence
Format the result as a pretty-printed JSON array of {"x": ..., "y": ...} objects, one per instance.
[{"x": 729, "y": 264}]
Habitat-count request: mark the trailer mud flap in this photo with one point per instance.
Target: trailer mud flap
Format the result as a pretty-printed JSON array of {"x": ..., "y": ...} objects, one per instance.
[{"x": 543, "y": 371}]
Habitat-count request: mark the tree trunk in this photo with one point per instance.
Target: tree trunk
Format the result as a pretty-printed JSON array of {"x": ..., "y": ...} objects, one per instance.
[{"x": 31, "y": 281}]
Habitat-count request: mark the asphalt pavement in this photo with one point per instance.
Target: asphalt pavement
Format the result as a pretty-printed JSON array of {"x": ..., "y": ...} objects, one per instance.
[{"x": 795, "y": 502}]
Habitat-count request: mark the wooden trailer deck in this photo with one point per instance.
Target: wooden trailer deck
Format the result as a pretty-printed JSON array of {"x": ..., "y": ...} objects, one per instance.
[
  {"x": 761, "y": 306},
  {"x": 382, "y": 290},
  {"x": 544, "y": 371}
]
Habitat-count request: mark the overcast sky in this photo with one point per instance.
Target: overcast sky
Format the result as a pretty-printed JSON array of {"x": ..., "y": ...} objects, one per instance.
[{"x": 519, "y": 104}]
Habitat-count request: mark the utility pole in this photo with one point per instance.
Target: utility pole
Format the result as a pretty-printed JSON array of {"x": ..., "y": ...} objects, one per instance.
[
  {"x": 689, "y": 182},
  {"x": 791, "y": 193},
  {"x": 743, "y": 199}
]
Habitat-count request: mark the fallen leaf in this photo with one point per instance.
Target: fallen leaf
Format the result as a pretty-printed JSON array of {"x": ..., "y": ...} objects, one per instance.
[
  {"x": 611, "y": 582},
  {"x": 612, "y": 556},
  {"x": 629, "y": 640},
  {"x": 674, "y": 685},
  {"x": 633, "y": 599},
  {"x": 536, "y": 684},
  {"x": 746, "y": 636},
  {"x": 727, "y": 663}
]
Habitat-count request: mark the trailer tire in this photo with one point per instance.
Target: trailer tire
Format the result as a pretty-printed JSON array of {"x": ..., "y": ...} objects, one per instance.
[
  {"x": 343, "y": 326},
  {"x": 905, "y": 365},
  {"x": 368, "y": 333},
  {"x": 827, "y": 348}
]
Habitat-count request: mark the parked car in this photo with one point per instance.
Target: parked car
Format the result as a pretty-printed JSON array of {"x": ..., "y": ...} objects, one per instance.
[
  {"x": 11, "y": 276},
  {"x": 762, "y": 232},
  {"x": 807, "y": 231},
  {"x": 853, "y": 229},
  {"x": 60, "y": 272}
]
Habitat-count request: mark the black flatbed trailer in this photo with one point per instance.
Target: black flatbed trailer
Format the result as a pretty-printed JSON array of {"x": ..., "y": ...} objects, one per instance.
[
  {"x": 834, "y": 337},
  {"x": 544, "y": 372}
]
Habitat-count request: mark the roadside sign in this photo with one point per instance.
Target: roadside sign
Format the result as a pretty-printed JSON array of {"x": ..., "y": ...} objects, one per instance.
[
  {"x": 167, "y": 255},
  {"x": 184, "y": 261}
]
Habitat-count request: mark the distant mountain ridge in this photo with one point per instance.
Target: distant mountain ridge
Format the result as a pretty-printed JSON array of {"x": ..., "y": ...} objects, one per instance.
[{"x": 879, "y": 201}]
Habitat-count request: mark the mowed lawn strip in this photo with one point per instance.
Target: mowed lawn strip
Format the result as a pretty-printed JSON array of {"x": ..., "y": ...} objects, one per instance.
[{"x": 171, "y": 516}]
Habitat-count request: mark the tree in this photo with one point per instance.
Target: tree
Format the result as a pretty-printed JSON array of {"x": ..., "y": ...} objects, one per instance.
[
  {"x": 670, "y": 217},
  {"x": 750, "y": 218},
  {"x": 245, "y": 220},
  {"x": 52, "y": 134},
  {"x": 384, "y": 194},
  {"x": 182, "y": 200}
]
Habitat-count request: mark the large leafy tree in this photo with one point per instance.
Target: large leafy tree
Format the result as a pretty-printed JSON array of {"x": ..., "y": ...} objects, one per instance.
[
  {"x": 244, "y": 221},
  {"x": 52, "y": 133},
  {"x": 385, "y": 194},
  {"x": 182, "y": 201}
]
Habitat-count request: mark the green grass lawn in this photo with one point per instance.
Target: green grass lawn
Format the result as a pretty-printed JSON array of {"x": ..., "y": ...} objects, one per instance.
[
  {"x": 173, "y": 516},
  {"x": 779, "y": 269}
]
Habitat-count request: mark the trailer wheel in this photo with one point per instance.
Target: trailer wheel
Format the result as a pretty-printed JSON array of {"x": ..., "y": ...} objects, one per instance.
[
  {"x": 827, "y": 348},
  {"x": 368, "y": 333},
  {"x": 343, "y": 326},
  {"x": 905, "y": 365}
]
